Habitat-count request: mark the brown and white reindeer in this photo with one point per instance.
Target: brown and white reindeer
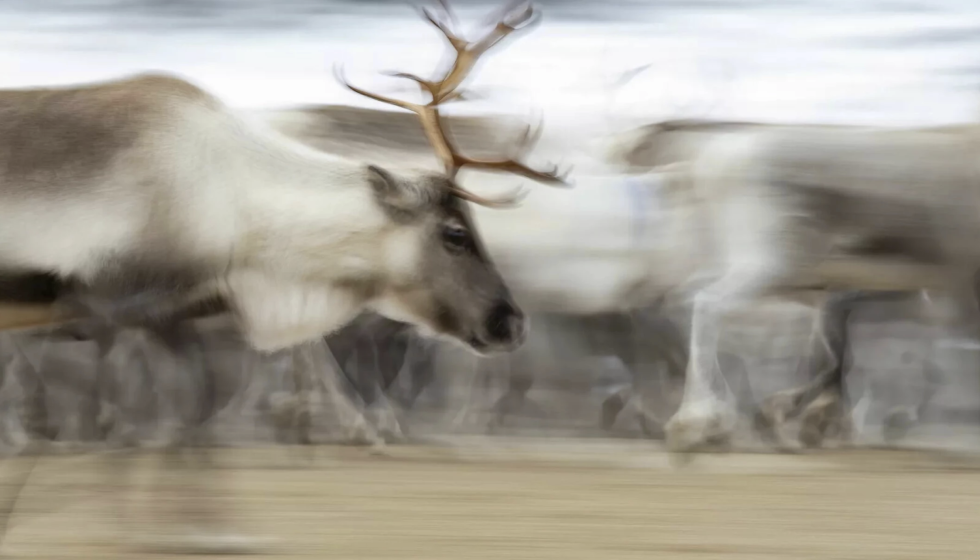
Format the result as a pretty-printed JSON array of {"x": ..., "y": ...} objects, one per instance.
[
  {"x": 143, "y": 195},
  {"x": 145, "y": 201}
]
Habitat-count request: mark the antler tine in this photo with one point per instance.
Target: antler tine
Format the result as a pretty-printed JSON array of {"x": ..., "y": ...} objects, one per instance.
[
  {"x": 507, "y": 13},
  {"x": 428, "y": 114},
  {"x": 338, "y": 72},
  {"x": 469, "y": 52},
  {"x": 528, "y": 139},
  {"x": 517, "y": 168},
  {"x": 426, "y": 85},
  {"x": 432, "y": 87},
  {"x": 457, "y": 42},
  {"x": 450, "y": 13},
  {"x": 506, "y": 201}
]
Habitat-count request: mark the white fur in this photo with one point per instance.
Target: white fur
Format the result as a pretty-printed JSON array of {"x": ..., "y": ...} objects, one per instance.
[{"x": 284, "y": 224}]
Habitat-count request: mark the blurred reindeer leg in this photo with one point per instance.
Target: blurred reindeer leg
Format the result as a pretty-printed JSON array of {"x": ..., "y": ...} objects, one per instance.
[
  {"x": 823, "y": 364},
  {"x": 656, "y": 341},
  {"x": 707, "y": 414},
  {"x": 521, "y": 369},
  {"x": 479, "y": 377},
  {"x": 120, "y": 459},
  {"x": 832, "y": 412},
  {"x": 195, "y": 486},
  {"x": 618, "y": 337},
  {"x": 514, "y": 400},
  {"x": 383, "y": 415},
  {"x": 613, "y": 405},
  {"x": 301, "y": 419},
  {"x": 374, "y": 366},
  {"x": 358, "y": 430},
  {"x": 33, "y": 414},
  {"x": 901, "y": 419},
  {"x": 290, "y": 410}
]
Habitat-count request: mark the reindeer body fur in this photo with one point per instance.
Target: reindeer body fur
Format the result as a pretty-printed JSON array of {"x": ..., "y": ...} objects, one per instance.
[{"x": 149, "y": 189}]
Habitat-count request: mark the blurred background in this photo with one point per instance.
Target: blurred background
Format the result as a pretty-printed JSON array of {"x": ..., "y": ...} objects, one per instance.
[
  {"x": 379, "y": 444},
  {"x": 877, "y": 62}
]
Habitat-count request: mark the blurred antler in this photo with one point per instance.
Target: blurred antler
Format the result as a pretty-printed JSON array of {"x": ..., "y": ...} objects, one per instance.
[{"x": 467, "y": 53}]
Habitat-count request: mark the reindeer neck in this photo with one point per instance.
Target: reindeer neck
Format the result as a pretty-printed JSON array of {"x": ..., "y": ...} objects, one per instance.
[{"x": 304, "y": 211}]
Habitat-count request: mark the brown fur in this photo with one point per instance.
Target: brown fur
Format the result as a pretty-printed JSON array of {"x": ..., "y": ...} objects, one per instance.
[{"x": 49, "y": 134}]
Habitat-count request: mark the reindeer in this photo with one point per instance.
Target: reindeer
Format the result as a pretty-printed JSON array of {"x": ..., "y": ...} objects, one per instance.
[
  {"x": 822, "y": 401},
  {"x": 200, "y": 207},
  {"x": 796, "y": 210},
  {"x": 199, "y": 202}
]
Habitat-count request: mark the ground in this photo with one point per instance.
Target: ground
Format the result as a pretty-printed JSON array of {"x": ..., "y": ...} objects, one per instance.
[{"x": 519, "y": 499}]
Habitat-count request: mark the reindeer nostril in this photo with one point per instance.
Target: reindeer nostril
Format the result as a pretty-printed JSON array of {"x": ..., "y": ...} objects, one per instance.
[{"x": 504, "y": 322}]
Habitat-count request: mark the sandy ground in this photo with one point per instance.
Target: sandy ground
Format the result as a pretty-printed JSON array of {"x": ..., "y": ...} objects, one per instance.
[{"x": 557, "y": 500}]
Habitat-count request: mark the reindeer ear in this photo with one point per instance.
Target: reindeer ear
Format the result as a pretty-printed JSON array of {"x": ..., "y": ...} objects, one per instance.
[{"x": 395, "y": 194}]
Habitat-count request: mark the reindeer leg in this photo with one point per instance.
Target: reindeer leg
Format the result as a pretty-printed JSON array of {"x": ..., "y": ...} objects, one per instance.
[
  {"x": 513, "y": 401},
  {"x": 612, "y": 406},
  {"x": 824, "y": 365},
  {"x": 120, "y": 437},
  {"x": 421, "y": 365},
  {"x": 622, "y": 344},
  {"x": 481, "y": 378},
  {"x": 704, "y": 414},
  {"x": 899, "y": 420},
  {"x": 15, "y": 486},
  {"x": 33, "y": 416},
  {"x": 662, "y": 345},
  {"x": 197, "y": 485},
  {"x": 358, "y": 430},
  {"x": 668, "y": 347},
  {"x": 373, "y": 368},
  {"x": 759, "y": 259},
  {"x": 383, "y": 415}
]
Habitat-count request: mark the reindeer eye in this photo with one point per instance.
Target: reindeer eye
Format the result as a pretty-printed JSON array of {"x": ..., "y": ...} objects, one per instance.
[{"x": 455, "y": 236}]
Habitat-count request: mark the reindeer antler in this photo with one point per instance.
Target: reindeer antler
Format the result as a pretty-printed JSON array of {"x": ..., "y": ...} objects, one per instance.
[{"x": 444, "y": 90}]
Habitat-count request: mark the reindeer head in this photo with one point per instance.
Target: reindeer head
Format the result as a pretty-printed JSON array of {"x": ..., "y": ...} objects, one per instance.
[{"x": 442, "y": 278}]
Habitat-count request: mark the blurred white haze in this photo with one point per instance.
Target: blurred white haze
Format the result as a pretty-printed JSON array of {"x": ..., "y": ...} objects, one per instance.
[{"x": 894, "y": 62}]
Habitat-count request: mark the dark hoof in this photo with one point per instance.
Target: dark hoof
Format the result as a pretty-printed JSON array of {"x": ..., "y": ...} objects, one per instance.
[
  {"x": 897, "y": 425},
  {"x": 812, "y": 435},
  {"x": 768, "y": 429},
  {"x": 611, "y": 408}
]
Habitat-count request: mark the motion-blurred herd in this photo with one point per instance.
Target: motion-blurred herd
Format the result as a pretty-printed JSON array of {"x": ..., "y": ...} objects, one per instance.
[{"x": 176, "y": 273}]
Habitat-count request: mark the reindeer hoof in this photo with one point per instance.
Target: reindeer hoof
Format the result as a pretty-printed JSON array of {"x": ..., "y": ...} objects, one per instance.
[
  {"x": 379, "y": 449},
  {"x": 388, "y": 427},
  {"x": 767, "y": 428},
  {"x": 611, "y": 407},
  {"x": 812, "y": 434},
  {"x": 770, "y": 418},
  {"x": 822, "y": 419},
  {"x": 897, "y": 424},
  {"x": 693, "y": 428},
  {"x": 362, "y": 433}
]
